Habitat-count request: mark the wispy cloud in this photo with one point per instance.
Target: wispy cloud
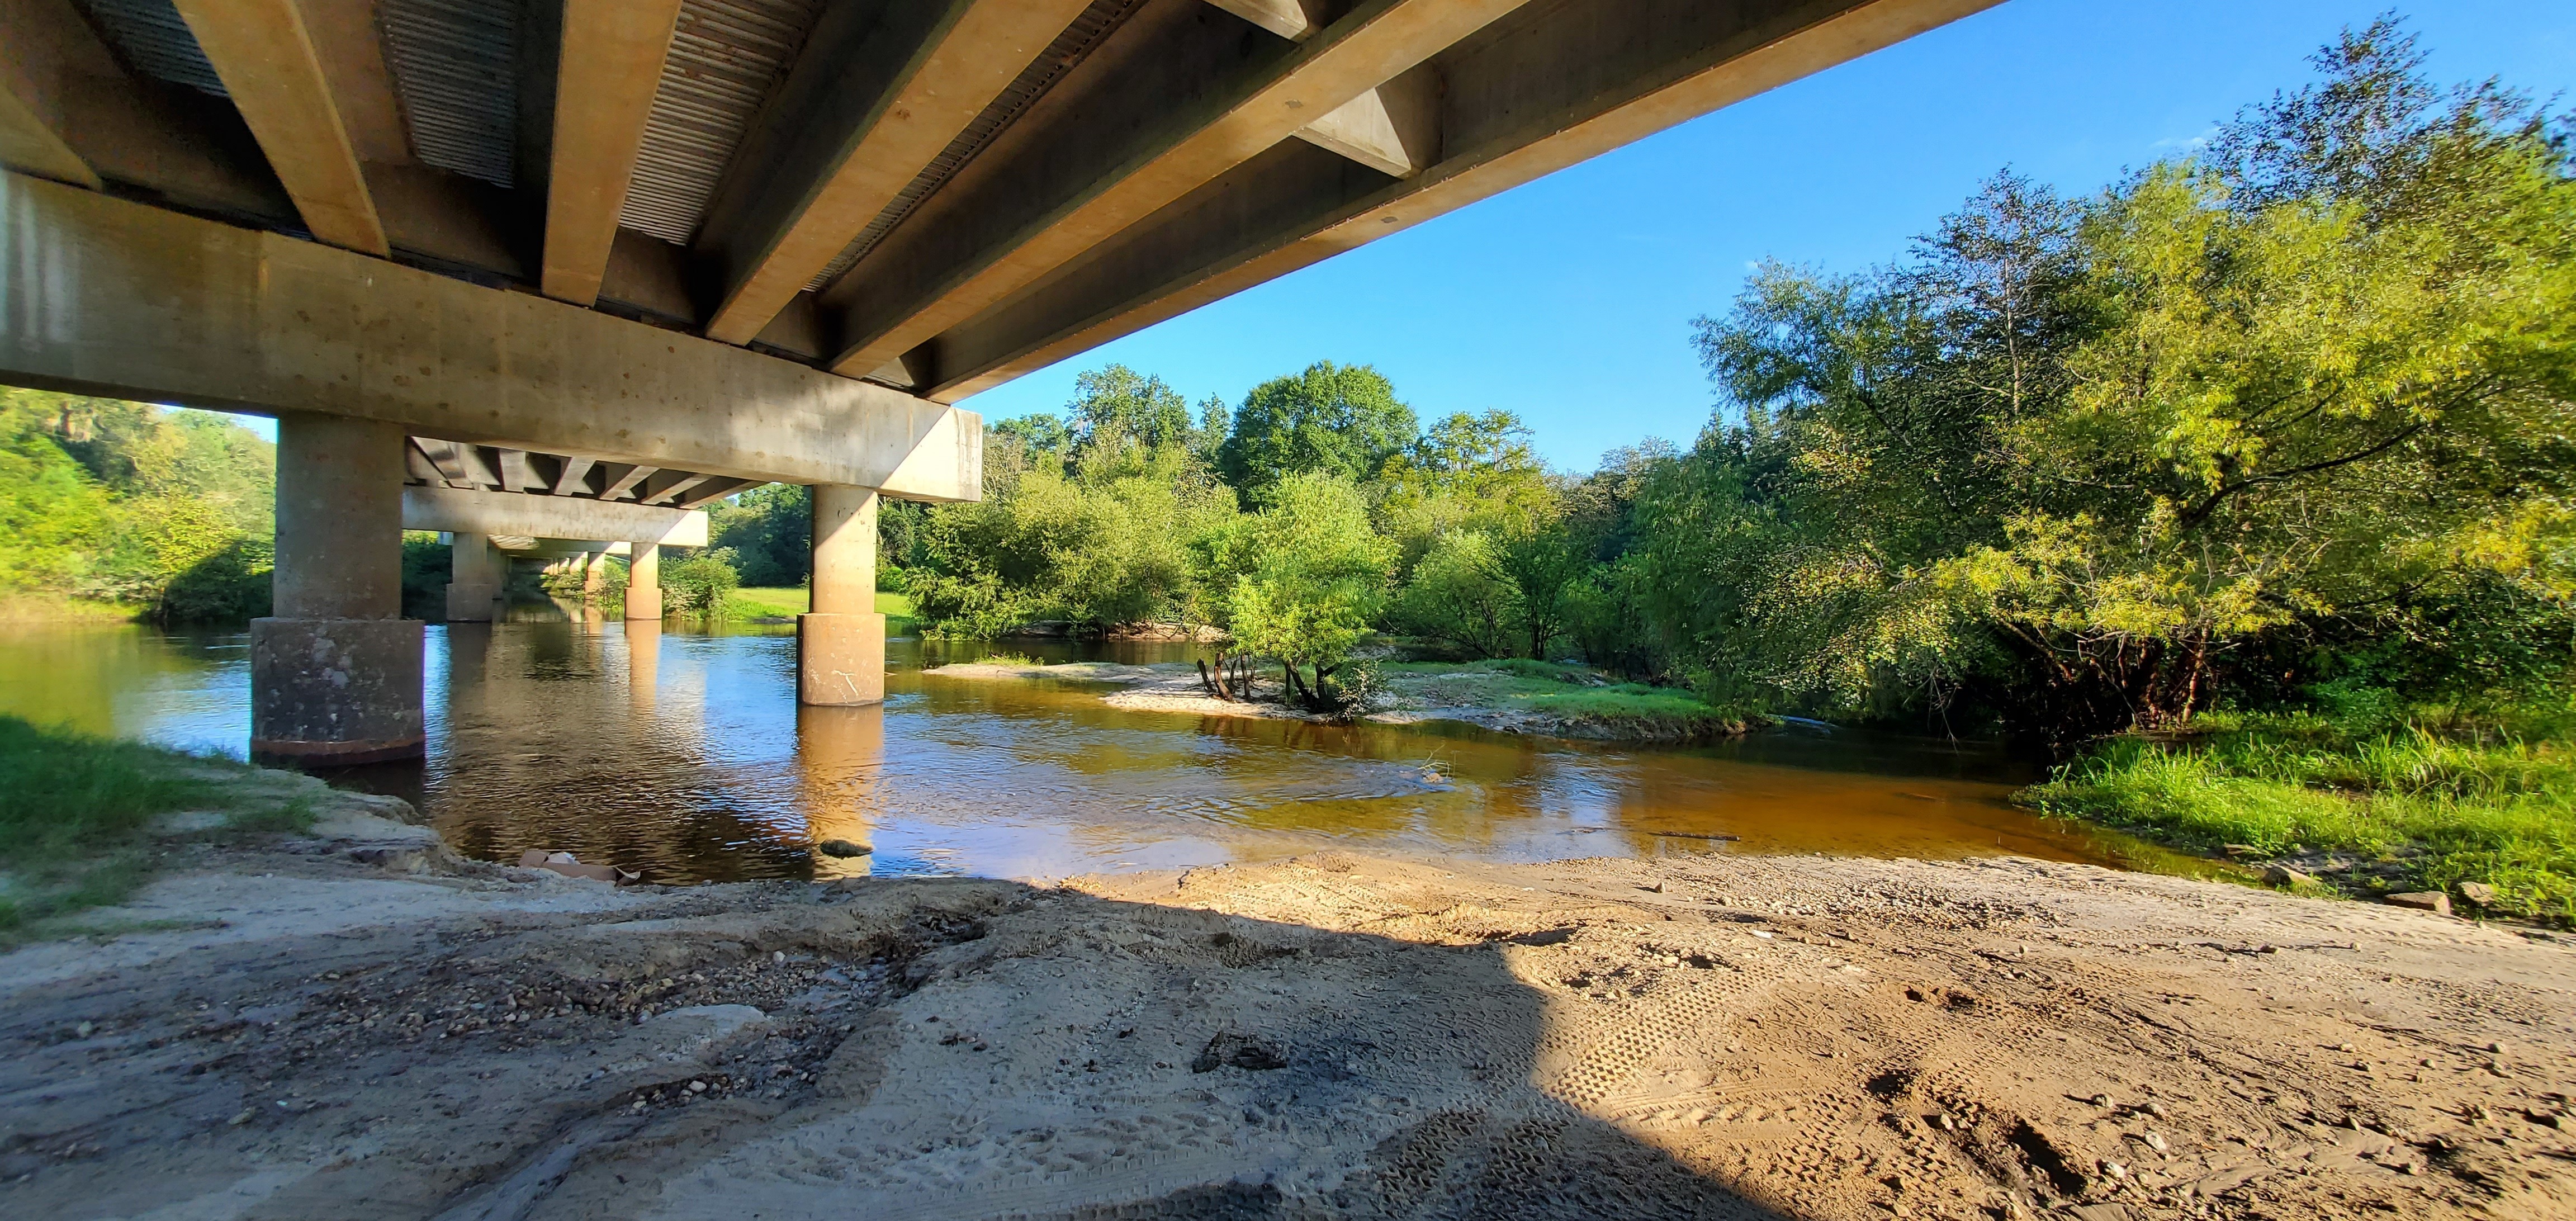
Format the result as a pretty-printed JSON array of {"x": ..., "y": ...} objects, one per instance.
[{"x": 2188, "y": 144}]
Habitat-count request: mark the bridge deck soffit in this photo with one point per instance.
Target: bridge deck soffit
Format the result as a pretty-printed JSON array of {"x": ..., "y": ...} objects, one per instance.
[{"x": 935, "y": 196}]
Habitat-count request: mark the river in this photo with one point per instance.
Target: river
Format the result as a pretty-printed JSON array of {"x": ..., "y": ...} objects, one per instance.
[{"x": 683, "y": 754}]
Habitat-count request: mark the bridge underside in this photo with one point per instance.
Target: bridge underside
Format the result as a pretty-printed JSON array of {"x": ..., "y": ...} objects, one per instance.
[{"x": 735, "y": 241}]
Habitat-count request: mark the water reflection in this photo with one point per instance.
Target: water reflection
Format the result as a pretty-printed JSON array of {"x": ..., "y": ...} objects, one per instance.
[
  {"x": 682, "y": 752},
  {"x": 839, "y": 752}
]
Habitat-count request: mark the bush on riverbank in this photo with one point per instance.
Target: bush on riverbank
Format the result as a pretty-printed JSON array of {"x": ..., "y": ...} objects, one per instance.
[
  {"x": 77, "y": 815},
  {"x": 2437, "y": 799}
]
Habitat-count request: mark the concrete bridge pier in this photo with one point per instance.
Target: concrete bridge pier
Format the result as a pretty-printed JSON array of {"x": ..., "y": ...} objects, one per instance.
[
  {"x": 476, "y": 572},
  {"x": 840, "y": 643},
  {"x": 335, "y": 672},
  {"x": 644, "y": 583}
]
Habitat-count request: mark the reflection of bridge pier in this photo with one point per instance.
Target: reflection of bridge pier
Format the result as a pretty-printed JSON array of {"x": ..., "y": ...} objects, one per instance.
[
  {"x": 923, "y": 202},
  {"x": 840, "y": 749}
]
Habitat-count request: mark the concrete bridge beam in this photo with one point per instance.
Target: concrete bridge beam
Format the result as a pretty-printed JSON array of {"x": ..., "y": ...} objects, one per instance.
[
  {"x": 335, "y": 673},
  {"x": 840, "y": 644}
]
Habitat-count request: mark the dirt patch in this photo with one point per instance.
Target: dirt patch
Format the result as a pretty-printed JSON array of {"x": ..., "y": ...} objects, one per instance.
[{"x": 1333, "y": 1036}]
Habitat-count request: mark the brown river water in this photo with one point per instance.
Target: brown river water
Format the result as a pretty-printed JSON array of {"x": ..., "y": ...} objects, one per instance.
[{"x": 683, "y": 753}]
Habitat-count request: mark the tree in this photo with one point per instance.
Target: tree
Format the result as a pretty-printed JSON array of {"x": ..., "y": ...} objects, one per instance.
[
  {"x": 2080, "y": 455},
  {"x": 1465, "y": 474},
  {"x": 770, "y": 532},
  {"x": 1540, "y": 565},
  {"x": 1307, "y": 578},
  {"x": 1339, "y": 421},
  {"x": 1454, "y": 596}
]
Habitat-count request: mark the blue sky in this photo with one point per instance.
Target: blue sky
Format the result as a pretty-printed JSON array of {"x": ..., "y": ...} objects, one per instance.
[{"x": 1569, "y": 300}]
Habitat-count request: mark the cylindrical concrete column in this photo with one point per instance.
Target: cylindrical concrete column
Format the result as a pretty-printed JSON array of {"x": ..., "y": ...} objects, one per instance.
[
  {"x": 594, "y": 576},
  {"x": 476, "y": 573},
  {"x": 644, "y": 582},
  {"x": 335, "y": 674},
  {"x": 840, "y": 645}
]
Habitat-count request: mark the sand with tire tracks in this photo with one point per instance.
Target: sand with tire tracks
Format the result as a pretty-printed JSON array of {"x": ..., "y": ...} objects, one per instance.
[{"x": 1334, "y": 1036}]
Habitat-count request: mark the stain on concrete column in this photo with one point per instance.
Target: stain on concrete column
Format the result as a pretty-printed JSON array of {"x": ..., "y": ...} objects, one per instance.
[
  {"x": 644, "y": 583},
  {"x": 476, "y": 573},
  {"x": 336, "y": 672},
  {"x": 840, "y": 644}
]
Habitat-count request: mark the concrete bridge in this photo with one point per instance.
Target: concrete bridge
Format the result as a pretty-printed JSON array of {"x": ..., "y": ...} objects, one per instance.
[{"x": 568, "y": 261}]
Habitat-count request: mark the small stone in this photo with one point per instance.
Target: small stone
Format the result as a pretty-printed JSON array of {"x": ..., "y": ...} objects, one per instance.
[
  {"x": 778, "y": 957},
  {"x": 842, "y": 847},
  {"x": 2283, "y": 875},
  {"x": 697, "y": 1087},
  {"x": 2479, "y": 893},
  {"x": 238, "y": 1120},
  {"x": 83, "y": 1030},
  {"x": 2156, "y": 1141},
  {"x": 2115, "y": 1170},
  {"x": 2101, "y": 1100},
  {"x": 2345, "y": 1047},
  {"x": 2433, "y": 901}
]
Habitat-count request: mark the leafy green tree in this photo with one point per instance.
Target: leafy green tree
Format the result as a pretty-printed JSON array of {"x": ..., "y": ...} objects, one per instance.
[
  {"x": 2095, "y": 459},
  {"x": 1342, "y": 421},
  {"x": 1117, "y": 408},
  {"x": 1104, "y": 545},
  {"x": 1466, "y": 473},
  {"x": 1308, "y": 578},
  {"x": 167, "y": 511},
  {"x": 770, "y": 531},
  {"x": 1455, "y": 597},
  {"x": 1541, "y": 566}
]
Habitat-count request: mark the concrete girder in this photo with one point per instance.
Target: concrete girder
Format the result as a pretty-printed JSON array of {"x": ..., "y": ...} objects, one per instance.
[
  {"x": 1393, "y": 129},
  {"x": 875, "y": 97},
  {"x": 1295, "y": 20},
  {"x": 997, "y": 233},
  {"x": 36, "y": 80},
  {"x": 609, "y": 66},
  {"x": 266, "y": 58},
  {"x": 429, "y": 507},
  {"x": 362, "y": 90},
  {"x": 1540, "y": 90},
  {"x": 104, "y": 296}
]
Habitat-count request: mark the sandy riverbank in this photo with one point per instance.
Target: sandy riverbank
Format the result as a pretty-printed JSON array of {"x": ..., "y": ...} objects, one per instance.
[
  {"x": 320, "y": 1036},
  {"x": 1482, "y": 699}
]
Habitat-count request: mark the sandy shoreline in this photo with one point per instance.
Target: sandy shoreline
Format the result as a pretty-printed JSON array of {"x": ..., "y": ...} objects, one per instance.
[
  {"x": 1175, "y": 687},
  {"x": 358, "y": 1025}
]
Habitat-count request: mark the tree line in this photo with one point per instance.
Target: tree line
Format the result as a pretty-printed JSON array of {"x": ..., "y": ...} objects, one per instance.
[
  {"x": 2284, "y": 419},
  {"x": 106, "y": 501}
]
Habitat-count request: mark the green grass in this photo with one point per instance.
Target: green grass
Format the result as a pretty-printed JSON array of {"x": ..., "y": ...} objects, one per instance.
[
  {"x": 2428, "y": 803},
  {"x": 1581, "y": 697},
  {"x": 787, "y": 602},
  {"x": 76, "y": 816}
]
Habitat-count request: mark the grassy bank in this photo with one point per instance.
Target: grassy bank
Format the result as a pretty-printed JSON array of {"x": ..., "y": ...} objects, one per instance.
[
  {"x": 789, "y": 601},
  {"x": 1579, "y": 700},
  {"x": 2368, "y": 808},
  {"x": 82, "y": 818}
]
